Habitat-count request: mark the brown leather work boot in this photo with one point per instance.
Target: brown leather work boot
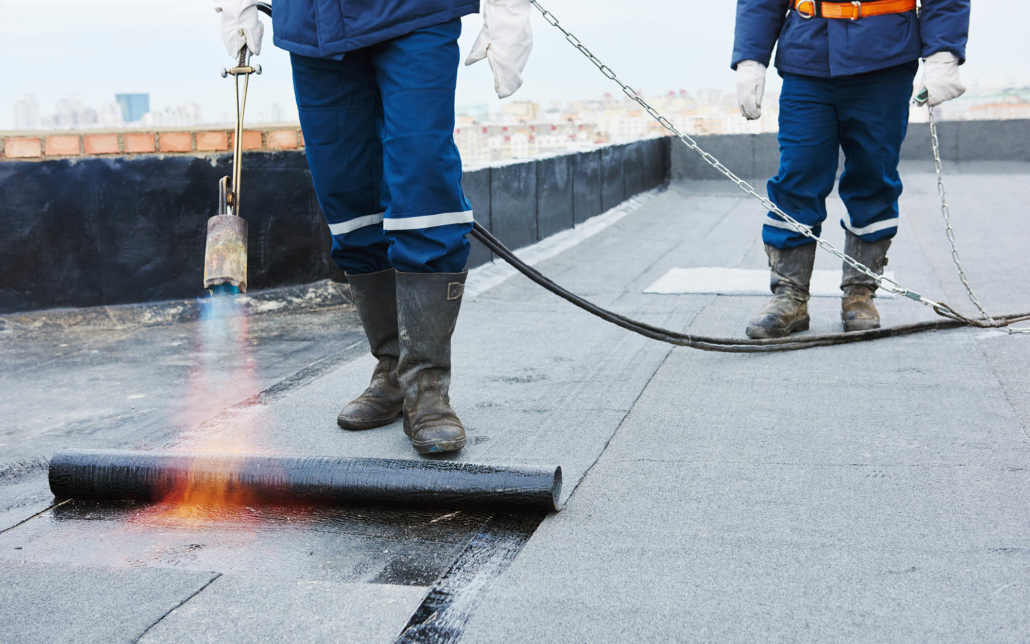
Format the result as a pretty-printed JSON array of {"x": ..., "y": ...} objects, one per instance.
[
  {"x": 857, "y": 311},
  {"x": 375, "y": 296},
  {"x": 787, "y": 311},
  {"x": 427, "y": 307}
]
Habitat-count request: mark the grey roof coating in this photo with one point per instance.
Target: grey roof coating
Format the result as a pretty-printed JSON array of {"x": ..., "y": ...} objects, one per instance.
[{"x": 874, "y": 492}]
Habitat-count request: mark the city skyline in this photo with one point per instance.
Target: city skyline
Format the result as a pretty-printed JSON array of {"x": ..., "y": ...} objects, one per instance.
[
  {"x": 70, "y": 112},
  {"x": 173, "y": 52}
]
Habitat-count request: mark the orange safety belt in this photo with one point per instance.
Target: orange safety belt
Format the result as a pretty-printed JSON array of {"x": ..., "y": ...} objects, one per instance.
[{"x": 850, "y": 10}]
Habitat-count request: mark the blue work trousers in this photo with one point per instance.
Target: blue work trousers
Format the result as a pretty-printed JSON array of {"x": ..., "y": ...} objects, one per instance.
[
  {"x": 866, "y": 115},
  {"x": 379, "y": 137}
]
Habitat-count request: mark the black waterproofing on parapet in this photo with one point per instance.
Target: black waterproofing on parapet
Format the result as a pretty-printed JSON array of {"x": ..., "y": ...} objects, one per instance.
[{"x": 284, "y": 480}]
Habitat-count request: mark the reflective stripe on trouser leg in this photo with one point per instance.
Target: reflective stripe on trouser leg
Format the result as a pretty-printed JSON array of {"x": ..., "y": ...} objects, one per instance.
[
  {"x": 341, "y": 118},
  {"x": 873, "y": 117},
  {"x": 808, "y": 159},
  {"x": 428, "y": 216}
]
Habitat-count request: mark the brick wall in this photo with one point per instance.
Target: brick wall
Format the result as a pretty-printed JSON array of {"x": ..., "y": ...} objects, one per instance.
[{"x": 28, "y": 146}]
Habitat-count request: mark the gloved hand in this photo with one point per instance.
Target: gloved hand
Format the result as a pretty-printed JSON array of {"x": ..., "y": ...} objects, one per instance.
[
  {"x": 941, "y": 78},
  {"x": 240, "y": 26},
  {"x": 506, "y": 41},
  {"x": 750, "y": 88}
]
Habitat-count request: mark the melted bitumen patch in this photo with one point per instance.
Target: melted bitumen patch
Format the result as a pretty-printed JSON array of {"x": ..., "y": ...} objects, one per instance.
[
  {"x": 360, "y": 545},
  {"x": 447, "y": 608},
  {"x": 120, "y": 388}
]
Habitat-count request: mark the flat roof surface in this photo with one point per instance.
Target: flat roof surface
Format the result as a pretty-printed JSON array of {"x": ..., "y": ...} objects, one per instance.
[{"x": 869, "y": 492}]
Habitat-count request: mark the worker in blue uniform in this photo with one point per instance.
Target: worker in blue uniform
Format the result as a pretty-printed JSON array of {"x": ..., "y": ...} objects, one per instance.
[
  {"x": 848, "y": 71},
  {"x": 374, "y": 83}
]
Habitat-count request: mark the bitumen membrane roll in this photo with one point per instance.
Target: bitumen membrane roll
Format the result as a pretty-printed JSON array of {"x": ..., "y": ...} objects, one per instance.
[{"x": 286, "y": 480}]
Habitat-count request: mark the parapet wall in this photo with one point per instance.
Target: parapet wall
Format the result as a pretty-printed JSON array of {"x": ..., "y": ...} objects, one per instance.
[
  {"x": 119, "y": 219},
  {"x": 755, "y": 157}
]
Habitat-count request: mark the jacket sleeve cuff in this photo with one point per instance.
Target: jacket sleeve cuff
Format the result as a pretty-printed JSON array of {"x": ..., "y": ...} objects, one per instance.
[
  {"x": 930, "y": 50},
  {"x": 739, "y": 58}
]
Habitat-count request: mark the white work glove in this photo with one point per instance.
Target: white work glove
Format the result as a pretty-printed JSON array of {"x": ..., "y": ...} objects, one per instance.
[
  {"x": 750, "y": 88},
  {"x": 941, "y": 79},
  {"x": 240, "y": 26},
  {"x": 506, "y": 41}
]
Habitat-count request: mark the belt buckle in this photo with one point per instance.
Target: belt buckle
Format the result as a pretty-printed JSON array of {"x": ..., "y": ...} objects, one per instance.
[
  {"x": 858, "y": 9},
  {"x": 801, "y": 3}
]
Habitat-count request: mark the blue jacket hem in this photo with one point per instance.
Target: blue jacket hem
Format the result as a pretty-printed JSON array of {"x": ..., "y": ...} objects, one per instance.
[
  {"x": 334, "y": 49},
  {"x": 864, "y": 69},
  {"x": 295, "y": 47}
]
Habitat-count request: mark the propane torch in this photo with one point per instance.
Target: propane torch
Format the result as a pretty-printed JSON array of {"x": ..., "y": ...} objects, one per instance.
[{"x": 225, "y": 257}]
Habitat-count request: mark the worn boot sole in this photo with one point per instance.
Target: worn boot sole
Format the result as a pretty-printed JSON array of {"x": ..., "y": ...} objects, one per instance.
[
  {"x": 357, "y": 424},
  {"x": 437, "y": 447},
  {"x": 860, "y": 325},
  {"x": 764, "y": 333}
]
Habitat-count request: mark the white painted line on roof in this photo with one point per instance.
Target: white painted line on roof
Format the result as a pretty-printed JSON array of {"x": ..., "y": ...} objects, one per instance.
[
  {"x": 740, "y": 281},
  {"x": 485, "y": 277}
]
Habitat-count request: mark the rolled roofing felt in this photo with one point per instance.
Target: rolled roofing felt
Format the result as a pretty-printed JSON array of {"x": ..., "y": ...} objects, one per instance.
[{"x": 284, "y": 480}]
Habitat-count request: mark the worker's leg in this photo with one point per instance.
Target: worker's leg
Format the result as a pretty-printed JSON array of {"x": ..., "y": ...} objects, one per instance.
[
  {"x": 341, "y": 117},
  {"x": 808, "y": 166},
  {"x": 809, "y": 148},
  {"x": 873, "y": 118},
  {"x": 426, "y": 222},
  {"x": 428, "y": 216}
]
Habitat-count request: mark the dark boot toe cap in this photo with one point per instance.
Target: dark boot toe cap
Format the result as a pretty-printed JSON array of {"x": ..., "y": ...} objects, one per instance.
[
  {"x": 366, "y": 414},
  {"x": 438, "y": 437}
]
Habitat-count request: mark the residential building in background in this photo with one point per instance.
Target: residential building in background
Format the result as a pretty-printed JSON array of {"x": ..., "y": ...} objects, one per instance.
[
  {"x": 185, "y": 115},
  {"x": 527, "y": 129},
  {"x": 70, "y": 114},
  {"x": 26, "y": 113},
  {"x": 524, "y": 129},
  {"x": 134, "y": 106},
  {"x": 985, "y": 100}
]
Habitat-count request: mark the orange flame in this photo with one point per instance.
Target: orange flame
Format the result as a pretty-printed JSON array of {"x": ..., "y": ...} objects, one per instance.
[{"x": 223, "y": 376}]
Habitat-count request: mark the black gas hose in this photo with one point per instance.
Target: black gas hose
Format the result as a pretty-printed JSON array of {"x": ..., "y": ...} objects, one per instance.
[{"x": 707, "y": 343}]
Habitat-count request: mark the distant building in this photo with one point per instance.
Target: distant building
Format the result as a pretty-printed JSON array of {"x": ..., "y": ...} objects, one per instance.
[
  {"x": 524, "y": 130},
  {"x": 185, "y": 115},
  {"x": 479, "y": 112},
  {"x": 134, "y": 106},
  {"x": 522, "y": 110},
  {"x": 26, "y": 113},
  {"x": 71, "y": 114},
  {"x": 110, "y": 115}
]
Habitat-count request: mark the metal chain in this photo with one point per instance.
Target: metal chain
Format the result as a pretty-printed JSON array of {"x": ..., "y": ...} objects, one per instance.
[
  {"x": 885, "y": 283},
  {"x": 946, "y": 213},
  {"x": 947, "y": 216}
]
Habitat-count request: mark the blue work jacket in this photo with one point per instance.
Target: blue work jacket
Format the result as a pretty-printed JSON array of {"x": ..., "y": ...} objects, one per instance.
[
  {"x": 330, "y": 28},
  {"x": 829, "y": 47}
]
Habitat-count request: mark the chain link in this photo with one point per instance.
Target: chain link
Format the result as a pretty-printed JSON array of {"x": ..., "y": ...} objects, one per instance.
[
  {"x": 946, "y": 213},
  {"x": 947, "y": 217},
  {"x": 885, "y": 283}
]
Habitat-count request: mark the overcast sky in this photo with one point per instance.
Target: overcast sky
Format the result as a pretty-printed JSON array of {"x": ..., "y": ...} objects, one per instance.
[{"x": 172, "y": 49}]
